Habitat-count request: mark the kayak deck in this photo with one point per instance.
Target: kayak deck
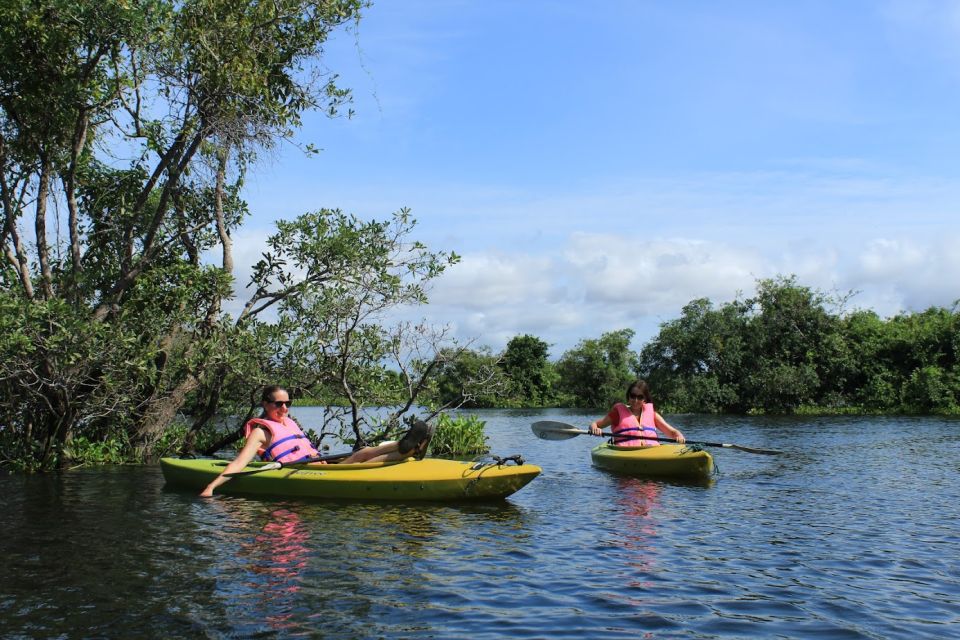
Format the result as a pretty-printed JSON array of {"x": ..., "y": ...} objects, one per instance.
[
  {"x": 427, "y": 479},
  {"x": 664, "y": 461}
]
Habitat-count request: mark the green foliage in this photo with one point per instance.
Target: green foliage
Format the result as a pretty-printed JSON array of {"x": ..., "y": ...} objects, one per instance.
[
  {"x": 930, "y": 389},
  {"x": 110, "y": 450},
  {"x": 783, "y": 351},
  {"x": 329, "y": 340},
  {"x": 466, "y": 378},
  {"x": 458, "y": 436},
  {"x": 126, "y": 129},
  {"x": 525, "y": 362},
  {"x": 696, "y": 361},
  {"x": 595, "y": 373}
]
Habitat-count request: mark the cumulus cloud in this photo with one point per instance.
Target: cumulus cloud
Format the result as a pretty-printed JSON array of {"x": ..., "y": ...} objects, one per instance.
[
  {"x": 909, "y": 275},
  {"x": 600, "y": 282},
  {"x": 646, "y": 275},
  {"x": 482, "y": 281}
]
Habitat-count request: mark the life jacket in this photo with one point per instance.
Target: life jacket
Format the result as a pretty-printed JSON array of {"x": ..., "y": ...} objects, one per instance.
[
  {"x": 287, "y": 441},
  {"x": 627, "y": 430}
]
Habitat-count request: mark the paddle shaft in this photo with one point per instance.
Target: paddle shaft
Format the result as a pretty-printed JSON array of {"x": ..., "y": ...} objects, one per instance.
[
  {"x": 604, "y": 434},
  {"x": 273, "y": 466},
  {"x": 562, "y": 431}
]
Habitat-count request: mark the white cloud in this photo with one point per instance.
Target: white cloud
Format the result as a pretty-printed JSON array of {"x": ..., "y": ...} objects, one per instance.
[
  {"x": 483, "y": 281},
  {"x": 630, "y": 275},
  {"x": 909, "y": 275},
  {"x": 591, "y": 287}
]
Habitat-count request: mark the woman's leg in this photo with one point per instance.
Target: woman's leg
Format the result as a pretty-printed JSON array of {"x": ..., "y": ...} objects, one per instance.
[
  {"x": 413, "y": 443},
  {"x": 383, "y": 452}
]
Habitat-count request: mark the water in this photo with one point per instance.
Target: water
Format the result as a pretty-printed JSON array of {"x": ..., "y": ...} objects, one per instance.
[{"x": 852, "y": 533}]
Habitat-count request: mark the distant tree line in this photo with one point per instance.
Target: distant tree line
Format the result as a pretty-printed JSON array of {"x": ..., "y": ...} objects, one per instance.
[{"x": 787, "y": 349}]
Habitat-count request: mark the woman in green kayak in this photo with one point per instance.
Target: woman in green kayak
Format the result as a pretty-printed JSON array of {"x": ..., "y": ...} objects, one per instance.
[
  {"x": 636, "y": 424},
  {"x": 275, "y": 437}
]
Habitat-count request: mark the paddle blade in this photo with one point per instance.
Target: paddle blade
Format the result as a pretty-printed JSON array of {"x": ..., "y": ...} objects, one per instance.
[
  {"x": 763, "y": 452},
  {"x": 553, "y": 430}
]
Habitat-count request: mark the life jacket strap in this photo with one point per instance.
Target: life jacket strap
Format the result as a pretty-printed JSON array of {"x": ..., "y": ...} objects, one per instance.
[{"x": 268, "y": 452}]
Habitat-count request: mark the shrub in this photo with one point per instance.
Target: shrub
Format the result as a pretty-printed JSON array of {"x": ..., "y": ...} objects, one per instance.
[{"x": 458, "y": 436}]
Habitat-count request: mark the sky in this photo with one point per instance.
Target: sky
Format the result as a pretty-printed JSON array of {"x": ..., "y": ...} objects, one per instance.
[{"x": 597, "y": 167}]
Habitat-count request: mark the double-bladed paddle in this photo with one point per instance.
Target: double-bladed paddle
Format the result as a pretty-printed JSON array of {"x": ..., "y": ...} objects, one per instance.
[
  {"x": 270, "y": 466},
  {"x": 554, "y": 430}
]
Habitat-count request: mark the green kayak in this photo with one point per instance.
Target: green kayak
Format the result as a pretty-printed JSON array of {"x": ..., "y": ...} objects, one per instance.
[
  {"x": 427, "y": 479},
  {"x": 664, "y": 461}
]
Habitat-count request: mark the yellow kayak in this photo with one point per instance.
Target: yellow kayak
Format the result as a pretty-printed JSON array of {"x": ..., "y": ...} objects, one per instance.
[
  {"x": 427, "y": 479},
  {"x": 664, "y": 461}
]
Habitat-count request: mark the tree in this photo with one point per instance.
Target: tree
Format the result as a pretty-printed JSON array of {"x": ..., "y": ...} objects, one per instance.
[
  {"x": 125, "y": 131},
  {"x": 466, "y": 377},
  {"x": 696, "y": 362},
  {"x": 774, "y": 352},
  {"x": 330, "y": 340},
  {"x": 596, "y": 373},
  {"x": 526, "y": 365}
]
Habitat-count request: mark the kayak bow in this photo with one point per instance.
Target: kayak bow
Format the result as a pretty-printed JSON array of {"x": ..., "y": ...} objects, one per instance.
[{"x": 664, "y": 461}]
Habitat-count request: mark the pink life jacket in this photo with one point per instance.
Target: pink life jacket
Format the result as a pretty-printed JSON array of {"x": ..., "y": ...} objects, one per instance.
[
  {"x": 628, "y": 430},
  {"x": 287, "y": 441}
]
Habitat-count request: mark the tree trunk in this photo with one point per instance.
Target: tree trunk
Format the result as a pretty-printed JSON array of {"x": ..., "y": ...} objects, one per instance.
[{"x": 159, "y": 415}]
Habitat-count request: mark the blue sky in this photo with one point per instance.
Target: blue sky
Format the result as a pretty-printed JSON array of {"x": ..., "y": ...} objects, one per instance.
[{"x": 598, "y": 167}]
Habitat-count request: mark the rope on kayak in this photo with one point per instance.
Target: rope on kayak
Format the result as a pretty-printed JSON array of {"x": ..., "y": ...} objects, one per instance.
[
  {"x": 497, "y": 460},
  {"x": 690, "y": 448}
]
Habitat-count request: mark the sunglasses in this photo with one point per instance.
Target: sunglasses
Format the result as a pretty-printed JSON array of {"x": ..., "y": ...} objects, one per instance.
[
  {"x": 281, "y": 403},
  {"x": 634, "y": 396}
]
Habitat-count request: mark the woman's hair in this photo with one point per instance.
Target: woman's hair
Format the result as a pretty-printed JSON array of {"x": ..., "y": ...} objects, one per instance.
[
  {"x": 268, "y": 392},
  {"x": 639, "y": 387}
]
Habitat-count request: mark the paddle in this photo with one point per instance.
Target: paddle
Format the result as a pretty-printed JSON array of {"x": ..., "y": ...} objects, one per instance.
[
  {"x": 270, "y": 466},
  {"x": 554, "y": 430}
]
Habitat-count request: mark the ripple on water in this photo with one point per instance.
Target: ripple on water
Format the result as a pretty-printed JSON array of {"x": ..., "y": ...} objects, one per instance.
[{"x": 846, "y": 535}]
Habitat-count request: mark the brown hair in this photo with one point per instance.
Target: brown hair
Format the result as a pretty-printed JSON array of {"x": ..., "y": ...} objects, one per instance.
[
  {"x": 268, "y": 392},
  {"x": 639, "y": 387}
]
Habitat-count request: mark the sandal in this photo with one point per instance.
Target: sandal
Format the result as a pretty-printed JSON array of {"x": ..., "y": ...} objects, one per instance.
[{"x": 416, "y": 440}]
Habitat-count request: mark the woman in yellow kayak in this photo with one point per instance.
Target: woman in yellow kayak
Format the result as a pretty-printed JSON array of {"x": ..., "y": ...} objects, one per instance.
[
  {"x": 275, "y": 437},
  {"x": 635, "y": 424}
]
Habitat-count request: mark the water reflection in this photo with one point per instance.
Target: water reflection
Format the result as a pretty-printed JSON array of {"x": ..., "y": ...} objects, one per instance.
[
  {"x": 292, "y": 567},
  {"x": 278, "y": 554},
  {"x": 816, "y": 542},
  {"x": 639, "y": 506}
]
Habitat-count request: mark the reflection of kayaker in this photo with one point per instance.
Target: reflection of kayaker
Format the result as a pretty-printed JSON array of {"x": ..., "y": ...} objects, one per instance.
[
  {"x": 639, "y": 503},
  {"x": 279, "y": 554},
  {"x": 275, "y": 437},
  {"x": 636, "y": 425}
]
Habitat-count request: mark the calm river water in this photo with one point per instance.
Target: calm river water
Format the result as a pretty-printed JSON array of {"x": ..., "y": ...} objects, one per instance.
[{"x": 854, "y": 532}]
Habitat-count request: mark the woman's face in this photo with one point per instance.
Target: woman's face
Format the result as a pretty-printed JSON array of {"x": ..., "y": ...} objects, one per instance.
[
  {"x": 635, "y": 398},
  {"x": 278, "y": 407}
]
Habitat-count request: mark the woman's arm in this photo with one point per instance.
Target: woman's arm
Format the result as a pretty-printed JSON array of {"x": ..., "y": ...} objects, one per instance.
[
  {"x": 664, "y": 426},
  {"x": 596, "y": 425},
  {"x": 255, "y": 440}
]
